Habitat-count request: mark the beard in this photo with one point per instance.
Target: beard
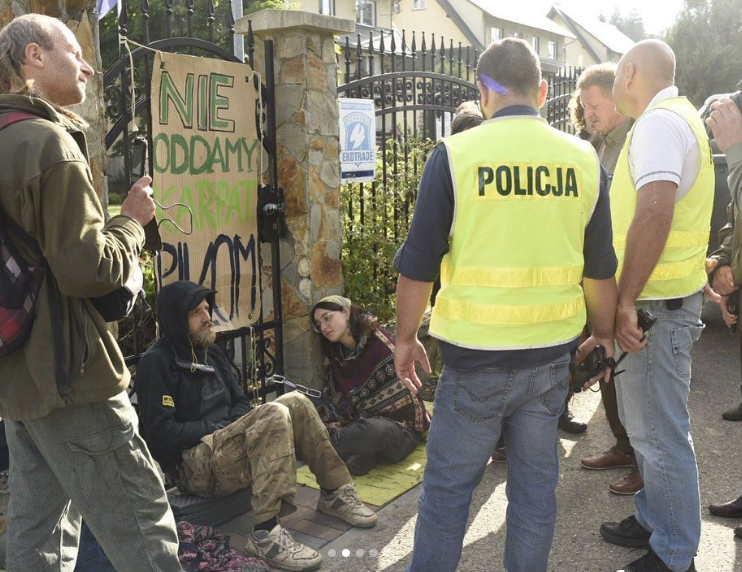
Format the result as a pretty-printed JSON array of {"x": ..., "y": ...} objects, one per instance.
[{"x": 204, "y": 338}]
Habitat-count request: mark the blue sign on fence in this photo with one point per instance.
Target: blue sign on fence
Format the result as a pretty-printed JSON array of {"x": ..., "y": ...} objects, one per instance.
[{"x": 357, "y": 140}]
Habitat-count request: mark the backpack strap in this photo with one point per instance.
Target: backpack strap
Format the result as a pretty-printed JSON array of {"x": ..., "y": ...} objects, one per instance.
[
  {"x": 15, "y": 117},
  {"x": 55, "y": 308},
  {"x": 6, "y": 121}
]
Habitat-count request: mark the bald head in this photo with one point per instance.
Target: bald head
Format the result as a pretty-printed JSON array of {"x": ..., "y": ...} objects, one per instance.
[
  {"x": 643, "y": 71},
  {"x": 654, "y": 61}
]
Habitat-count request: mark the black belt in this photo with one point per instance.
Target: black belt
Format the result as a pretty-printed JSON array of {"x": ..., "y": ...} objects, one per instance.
[{"x": 674, "y": 303}]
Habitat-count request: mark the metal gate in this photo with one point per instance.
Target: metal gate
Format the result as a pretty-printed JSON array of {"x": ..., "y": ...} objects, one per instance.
[
  {"x": 416, "y": 86},
  {"x": 257, "y": 350}
]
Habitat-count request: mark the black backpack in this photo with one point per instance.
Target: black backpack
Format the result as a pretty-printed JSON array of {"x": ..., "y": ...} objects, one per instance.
[{"x": 20, "y": 285}]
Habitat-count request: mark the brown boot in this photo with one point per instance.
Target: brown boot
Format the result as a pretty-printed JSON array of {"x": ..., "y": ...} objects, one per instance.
[
  {"x": 629, "y": 484},
  {"x": 610, "y": 459},
  {"x": 731, "y": 509}
]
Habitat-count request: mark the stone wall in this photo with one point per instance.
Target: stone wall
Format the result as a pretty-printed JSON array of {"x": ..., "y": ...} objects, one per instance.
[
  {"x": 308, "y": 169},
  {"x": 80, "y": 18}
]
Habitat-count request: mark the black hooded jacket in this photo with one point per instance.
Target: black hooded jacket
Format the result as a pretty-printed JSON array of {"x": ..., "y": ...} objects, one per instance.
[{"x": 178, "y": 406}]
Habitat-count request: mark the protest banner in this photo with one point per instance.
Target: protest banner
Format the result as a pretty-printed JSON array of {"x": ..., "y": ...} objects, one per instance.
[{"x": 207, "y": 155}]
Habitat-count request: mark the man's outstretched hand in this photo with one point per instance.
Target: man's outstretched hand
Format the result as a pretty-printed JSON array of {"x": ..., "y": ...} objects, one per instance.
[{"x": 405, "y": 356}]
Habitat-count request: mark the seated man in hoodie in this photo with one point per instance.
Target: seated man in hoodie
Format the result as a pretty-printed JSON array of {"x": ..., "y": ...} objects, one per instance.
[{"x": 204, "y": 433}]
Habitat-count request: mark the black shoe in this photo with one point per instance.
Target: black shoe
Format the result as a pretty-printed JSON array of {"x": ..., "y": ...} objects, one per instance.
[
  {"x": 650, "y": 562},
  {"x": 571, "y": 424},
  {"x": 731, "y": 509},
  {"x": 628, "y": 532},
  {"x": 733, "y": 414},
  {"x": 360, "y": 464}
]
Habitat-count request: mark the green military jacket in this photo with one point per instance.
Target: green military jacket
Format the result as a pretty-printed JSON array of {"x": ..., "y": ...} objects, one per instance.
[
  {"x": 47, "y": 187},
  {"x": 730, "y": 236}
]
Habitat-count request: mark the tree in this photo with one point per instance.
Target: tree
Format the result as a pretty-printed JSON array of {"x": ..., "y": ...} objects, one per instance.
[
  {"x": 705, "y": 38},
  {"x": 257, "y": 5},
  {"x": 631, "y": 25}
]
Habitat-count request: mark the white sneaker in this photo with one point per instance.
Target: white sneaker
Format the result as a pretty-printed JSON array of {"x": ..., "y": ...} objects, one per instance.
[
  {"x": 280, "y": 550},
  {"x": 345, "y": 504}
]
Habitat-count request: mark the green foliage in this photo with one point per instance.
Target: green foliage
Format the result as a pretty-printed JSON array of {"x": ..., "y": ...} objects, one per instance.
[
  {"x": 258, "y": 5},
  {"x": 115, "y": 199},
  {"x": 158, "y": 25},
  {"x": 631, "y": 25},
  {"x": 706, "y": 37},
  {"x": 147, "y": 262},
  {"x": 371, "y": 241}
]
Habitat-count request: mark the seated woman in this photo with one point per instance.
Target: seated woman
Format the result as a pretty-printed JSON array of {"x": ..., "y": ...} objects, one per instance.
[{"x": 376, "y": 418}]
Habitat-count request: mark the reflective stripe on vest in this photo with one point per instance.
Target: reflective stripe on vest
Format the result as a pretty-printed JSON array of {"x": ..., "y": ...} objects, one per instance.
[
  {"x": 680, "y": 271},
  {"x": 524, "y": 193}
]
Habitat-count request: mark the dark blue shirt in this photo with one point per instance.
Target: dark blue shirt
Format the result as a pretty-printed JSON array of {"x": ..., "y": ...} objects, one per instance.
[{"x": 420, "y": 256}]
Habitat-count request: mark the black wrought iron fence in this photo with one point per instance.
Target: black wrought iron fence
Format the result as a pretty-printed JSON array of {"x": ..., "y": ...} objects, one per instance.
[{"x": 561, "y": 86}]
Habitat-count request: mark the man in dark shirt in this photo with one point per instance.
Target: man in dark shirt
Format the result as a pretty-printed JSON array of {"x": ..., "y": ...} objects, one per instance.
[
  {"x": 512, "y": 250},
  {"x": 206, "y": 436}
]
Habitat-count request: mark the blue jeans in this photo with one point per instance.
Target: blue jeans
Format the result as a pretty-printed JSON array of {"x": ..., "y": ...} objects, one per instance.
[
  {"x": 653, "y": 405},
  {"x": 472, "y": 408}
]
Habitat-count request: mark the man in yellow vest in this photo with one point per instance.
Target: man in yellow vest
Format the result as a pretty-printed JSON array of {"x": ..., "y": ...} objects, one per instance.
[
  {"x": 661, "y": 201},
  {"x": 515, "y": 216}
]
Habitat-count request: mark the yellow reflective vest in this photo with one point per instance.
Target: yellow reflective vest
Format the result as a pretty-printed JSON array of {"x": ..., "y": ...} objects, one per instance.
[
  {"x": 680, "y": 270},
  {"x": 524, "y": 193}
]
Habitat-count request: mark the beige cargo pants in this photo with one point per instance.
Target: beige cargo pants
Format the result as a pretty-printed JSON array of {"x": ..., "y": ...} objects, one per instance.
[{"x": 259, "y": 450}]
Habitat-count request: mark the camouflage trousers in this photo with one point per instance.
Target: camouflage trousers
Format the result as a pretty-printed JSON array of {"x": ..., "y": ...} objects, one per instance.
[{"x": 259, "y": 450}]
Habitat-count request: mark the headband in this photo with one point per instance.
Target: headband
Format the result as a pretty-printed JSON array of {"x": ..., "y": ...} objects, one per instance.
[
  {"x": 492, "y": 84},
  {"x": 341, "y": 301}
]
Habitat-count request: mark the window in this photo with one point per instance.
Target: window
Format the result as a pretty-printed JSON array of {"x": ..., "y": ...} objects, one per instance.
[
  {"x": 536, "y": 45},
  {"x": 418, "y": 4},
  {"x": 496, "y": 34},
  {"x": 552, "y": 55},
  {"x": 327, "y": 7},
  {"x": 366, "y": 12},
  {"x": 518, "y": 35}
]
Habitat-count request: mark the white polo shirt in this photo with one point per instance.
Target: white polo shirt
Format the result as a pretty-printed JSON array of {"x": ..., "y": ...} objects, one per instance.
[{"x": 664, "y": 148}]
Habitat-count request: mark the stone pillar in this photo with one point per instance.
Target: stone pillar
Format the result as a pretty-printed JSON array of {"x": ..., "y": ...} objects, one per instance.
[
  {"x": 308, "y": 169},
  {"x": 80, "y": 18}
]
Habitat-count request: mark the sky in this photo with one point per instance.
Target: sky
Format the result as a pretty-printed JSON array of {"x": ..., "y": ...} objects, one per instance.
[{"x": 657, "y": 15}]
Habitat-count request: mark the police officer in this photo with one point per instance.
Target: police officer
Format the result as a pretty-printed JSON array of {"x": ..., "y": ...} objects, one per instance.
[{"x": 515, "y": 215}]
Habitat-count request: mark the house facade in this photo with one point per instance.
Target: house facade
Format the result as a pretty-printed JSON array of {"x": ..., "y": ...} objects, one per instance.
[
  {"x": 474, "y": 23},
  {"x": 595, "y": 41}
]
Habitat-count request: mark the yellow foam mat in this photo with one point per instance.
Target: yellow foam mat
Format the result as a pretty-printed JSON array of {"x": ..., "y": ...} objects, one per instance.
[{"x": 385, "y": 482}]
